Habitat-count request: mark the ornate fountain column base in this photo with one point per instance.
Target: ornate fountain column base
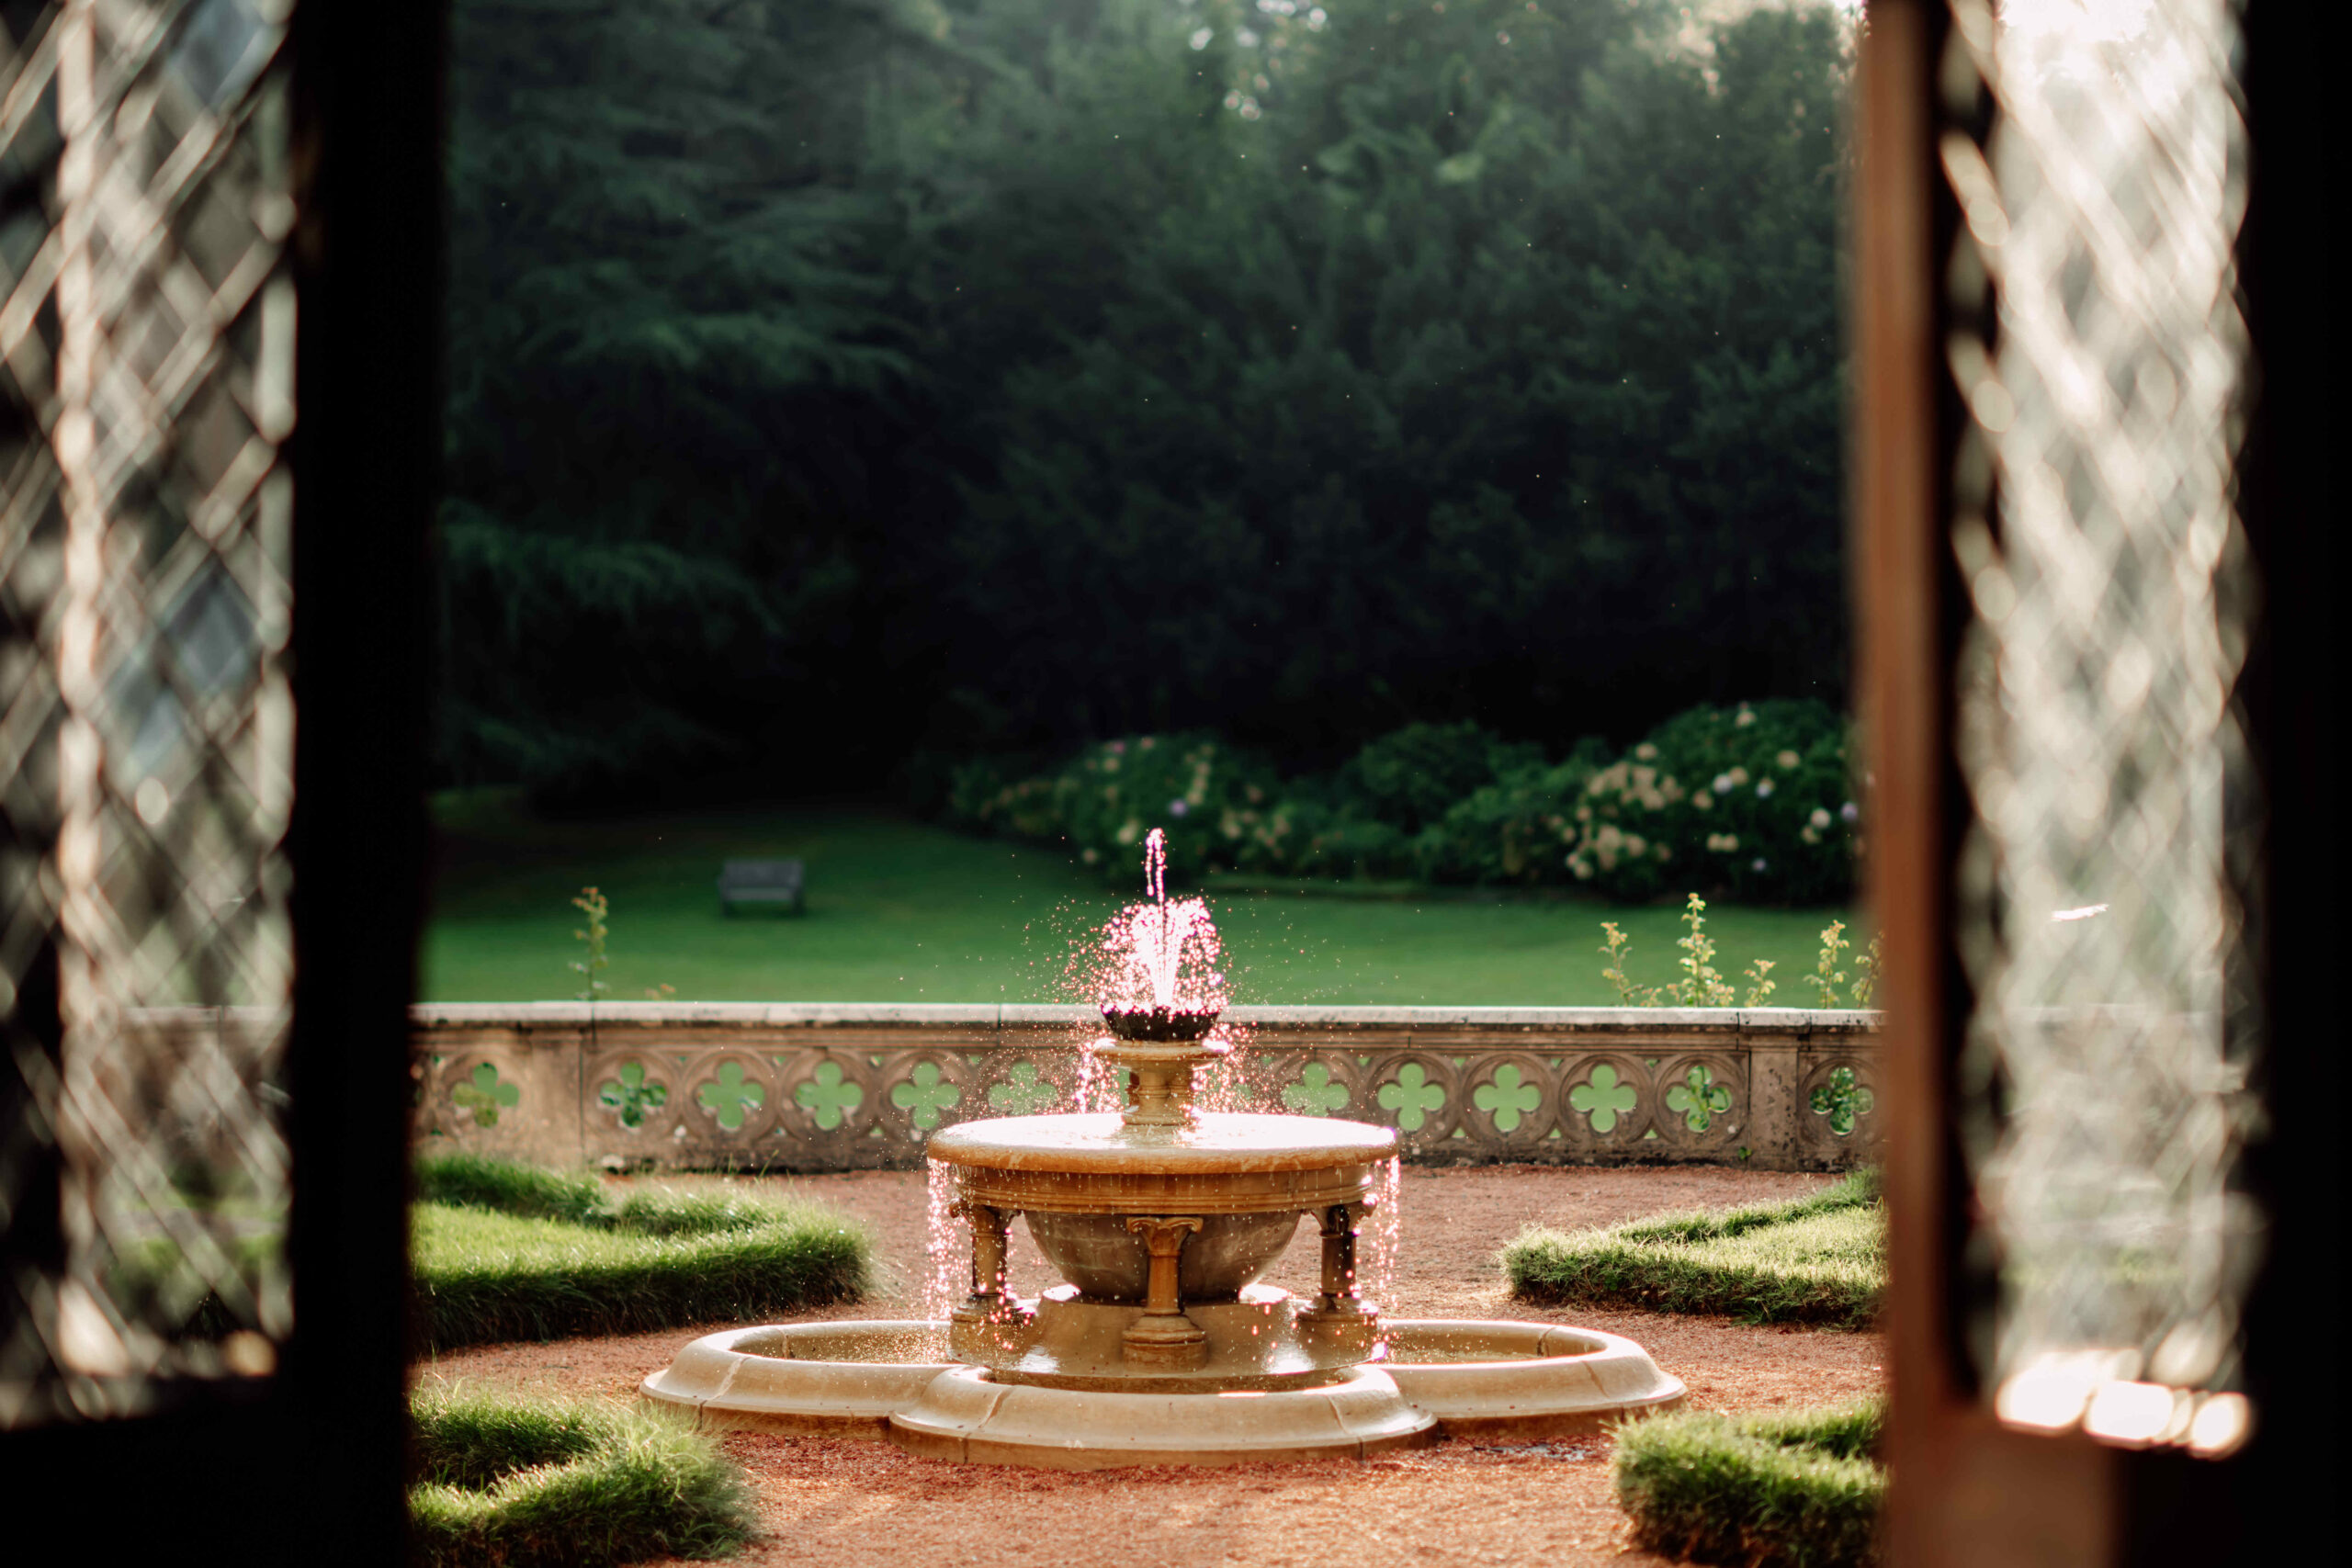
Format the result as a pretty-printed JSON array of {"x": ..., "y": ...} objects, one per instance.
[{"x": 1162, "y": 1339}]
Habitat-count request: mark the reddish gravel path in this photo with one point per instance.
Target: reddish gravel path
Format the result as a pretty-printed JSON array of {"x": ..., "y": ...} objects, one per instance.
[{"x": 830, "y": 1501}]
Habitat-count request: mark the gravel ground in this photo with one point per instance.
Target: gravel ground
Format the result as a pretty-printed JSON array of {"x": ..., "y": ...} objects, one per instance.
[{"x": 828, "y": 1500}]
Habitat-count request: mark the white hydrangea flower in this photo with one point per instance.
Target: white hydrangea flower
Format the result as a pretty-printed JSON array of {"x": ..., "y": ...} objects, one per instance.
[
  {"x": 1820, "y": 818},
  {"x": 1787, "y": 760},
  {"x": 1757, "y": 864},
  {"x": 1850, "y": 812},
  {"x": 1764, "y": 790}
]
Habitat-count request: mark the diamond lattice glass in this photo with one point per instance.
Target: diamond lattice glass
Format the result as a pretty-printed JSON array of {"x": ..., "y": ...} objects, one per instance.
[
  {"x": 2105, "y": 1072},
  {"x": 146, "y": 351}
]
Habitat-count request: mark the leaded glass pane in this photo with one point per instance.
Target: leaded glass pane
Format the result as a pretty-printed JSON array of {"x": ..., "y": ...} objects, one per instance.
[
  {"x": 146, "y": 351},
  {"x": 2106, "y": 1067}
]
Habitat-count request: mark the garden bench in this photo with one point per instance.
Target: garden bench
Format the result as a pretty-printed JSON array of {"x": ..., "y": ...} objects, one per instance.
[{"x": 760, "y": 881}]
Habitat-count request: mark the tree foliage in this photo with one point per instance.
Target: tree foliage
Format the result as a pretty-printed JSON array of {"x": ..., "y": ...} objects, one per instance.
[{"x": 1038, "y": 369}]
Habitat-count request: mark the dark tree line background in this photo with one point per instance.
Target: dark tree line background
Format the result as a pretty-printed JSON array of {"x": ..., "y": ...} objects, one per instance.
[{"x": 836, "y": 381}]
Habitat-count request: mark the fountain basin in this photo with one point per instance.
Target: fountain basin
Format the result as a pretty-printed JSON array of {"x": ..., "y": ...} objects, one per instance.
[
  {"x": 1493, "y": 1381},
  {"x": 1078, "y": 1179},
  {"x": 1108, "y": 1262}
]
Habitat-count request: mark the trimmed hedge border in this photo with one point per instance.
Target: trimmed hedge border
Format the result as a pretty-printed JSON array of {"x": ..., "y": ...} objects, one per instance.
[
  {"x": 1800, "y": 1489},
  {"x": 1664, "y": 1265},
  {"x": 511, "y": 1252}
]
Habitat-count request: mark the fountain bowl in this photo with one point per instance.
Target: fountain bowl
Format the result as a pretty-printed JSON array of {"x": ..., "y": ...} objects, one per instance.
[{"x": 1158, "y": 1024}]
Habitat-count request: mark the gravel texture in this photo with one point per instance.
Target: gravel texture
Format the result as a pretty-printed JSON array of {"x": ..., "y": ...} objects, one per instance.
[{"x": 830, "y": 1500}]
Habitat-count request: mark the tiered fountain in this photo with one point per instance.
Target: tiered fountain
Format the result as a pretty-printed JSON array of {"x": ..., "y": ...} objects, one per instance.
[{"x": 1160, "y": 1347}]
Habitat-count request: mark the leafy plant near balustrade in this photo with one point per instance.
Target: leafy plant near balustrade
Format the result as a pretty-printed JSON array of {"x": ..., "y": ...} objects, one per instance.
[
  {"x": 516, "y": 1482},
  {"x": 1703, "y": 985},
  {"x": 592, "y": 963},
  {"x": 1802, "y": 1489},
  {"x": 503, "y": 1251},
  {"x": 1818, "y": 1259}
]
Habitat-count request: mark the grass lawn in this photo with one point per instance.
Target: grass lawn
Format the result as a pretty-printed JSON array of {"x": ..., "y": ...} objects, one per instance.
[{"x": 903, "y": 911}]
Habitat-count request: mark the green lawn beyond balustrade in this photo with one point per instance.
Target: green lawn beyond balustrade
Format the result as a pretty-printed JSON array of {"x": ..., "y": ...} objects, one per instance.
[{"x": 903, "y": 911}]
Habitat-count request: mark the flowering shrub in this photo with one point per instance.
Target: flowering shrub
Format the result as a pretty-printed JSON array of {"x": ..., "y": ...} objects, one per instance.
[
  {"x": 1511, "y": 830},
  {"x": 1215, "y": 804},
  {"x": 1412, "y": 777},
  {"x": 1754, "y": 802},
  {"x": 1757, "y": 800}
]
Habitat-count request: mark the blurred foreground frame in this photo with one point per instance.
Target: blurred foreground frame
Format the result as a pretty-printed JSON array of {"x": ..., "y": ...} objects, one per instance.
[
  {"x": 2093, "y": 531},
  {"x": 220, "y": 251},
  {"x": 212, "y": 583}
]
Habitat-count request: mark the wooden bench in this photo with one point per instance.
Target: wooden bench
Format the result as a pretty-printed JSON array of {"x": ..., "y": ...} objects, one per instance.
[{"x": 772, "y": 882}]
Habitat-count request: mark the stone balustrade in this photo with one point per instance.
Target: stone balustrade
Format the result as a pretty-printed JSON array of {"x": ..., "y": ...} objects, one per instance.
[{"x": 823, "y": 1087}]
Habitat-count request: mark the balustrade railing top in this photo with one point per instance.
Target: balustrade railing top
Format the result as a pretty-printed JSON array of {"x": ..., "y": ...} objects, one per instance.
[{"x": 838, "y": 1085}]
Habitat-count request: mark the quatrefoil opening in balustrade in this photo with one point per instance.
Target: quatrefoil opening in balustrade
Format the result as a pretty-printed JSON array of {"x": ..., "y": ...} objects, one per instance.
[
  {"x": 1315, "y": 1094},
  {"x": 1844, "y": 1100},
  {"x": 1022, "y": 1092},
  {"x": 730, "y": 1097},
  {"x": 1603, "y": 1099},
  {"x": 1412, "y": 1097},
  {"x": 632, "y": 1097},
  {"x": 827, "y": 1097},
  {"x": 483, "y": 1094},
  {"x": 1699, "y": 1098},
  {"x": 1506, "y": 1099},
  {"x": 924, "y": 1095}
]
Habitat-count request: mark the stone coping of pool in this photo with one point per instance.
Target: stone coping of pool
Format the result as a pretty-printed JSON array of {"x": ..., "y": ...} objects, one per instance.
[{"x": 1495, "y": 1381}]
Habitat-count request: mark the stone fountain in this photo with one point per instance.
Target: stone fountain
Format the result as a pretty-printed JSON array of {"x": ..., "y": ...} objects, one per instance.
[{"x": 1160, "y": 1347}]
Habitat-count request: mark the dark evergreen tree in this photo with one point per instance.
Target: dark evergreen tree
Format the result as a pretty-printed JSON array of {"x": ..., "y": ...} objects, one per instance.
[
  {"x": 1032, "y": 369},
  {"x": 672, "y": 377}
]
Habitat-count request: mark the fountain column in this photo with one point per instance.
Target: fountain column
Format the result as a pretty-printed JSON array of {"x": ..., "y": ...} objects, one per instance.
[
  {"x": 990, "y": 1302},
  {"x": 1339, "y": 1303},
  {"x": 1163, "y": 1336}
]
